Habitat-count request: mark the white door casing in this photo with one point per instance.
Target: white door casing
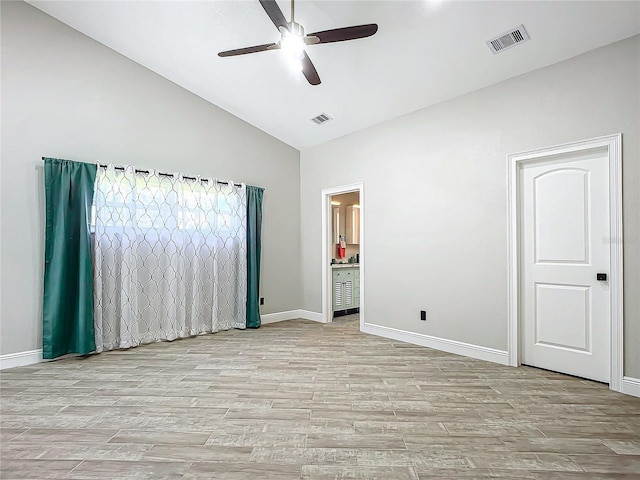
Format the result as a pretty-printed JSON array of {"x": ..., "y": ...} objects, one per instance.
[
  {"x": 548, "y": 296},
  {"x": 565, "y": 242}
]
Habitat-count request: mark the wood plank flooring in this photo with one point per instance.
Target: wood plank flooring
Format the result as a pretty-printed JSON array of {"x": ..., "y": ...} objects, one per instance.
[{"x": 301, "y": 400}]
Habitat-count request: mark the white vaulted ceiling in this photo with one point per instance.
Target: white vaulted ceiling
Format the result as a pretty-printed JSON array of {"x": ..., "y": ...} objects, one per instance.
[{"x": 425, "y": 52}]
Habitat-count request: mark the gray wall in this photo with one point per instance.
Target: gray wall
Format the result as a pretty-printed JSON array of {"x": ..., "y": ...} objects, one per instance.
[
  {"x": 65, "y": 95},
  {"x": 435, "y": 195}
]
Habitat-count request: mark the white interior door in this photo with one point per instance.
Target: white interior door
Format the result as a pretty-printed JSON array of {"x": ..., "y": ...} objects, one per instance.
[{"x": 565, "y": 243}]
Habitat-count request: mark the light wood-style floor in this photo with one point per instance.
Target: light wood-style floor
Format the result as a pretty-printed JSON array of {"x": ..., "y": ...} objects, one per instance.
[{"x": 301, "y": 400}]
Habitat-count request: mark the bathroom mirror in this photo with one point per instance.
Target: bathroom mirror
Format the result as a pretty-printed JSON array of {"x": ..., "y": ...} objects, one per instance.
[
  {"x": 336, "y": 224},
  {"x": 352, "y": 222}
]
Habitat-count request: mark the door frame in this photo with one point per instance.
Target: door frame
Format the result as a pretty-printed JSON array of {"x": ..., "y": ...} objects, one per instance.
[
  {"x": 515, "y": 162},
  {"x": 327, "y": 193}
]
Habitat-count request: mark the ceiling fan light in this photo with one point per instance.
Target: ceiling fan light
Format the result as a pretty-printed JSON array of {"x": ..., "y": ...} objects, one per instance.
[{"x": 292, "y": 44}]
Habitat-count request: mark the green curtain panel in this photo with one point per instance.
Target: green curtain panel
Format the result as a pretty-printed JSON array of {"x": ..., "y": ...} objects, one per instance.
[
  {"x": 67, "y": 321},
  {"x": 254, "y": 235}
]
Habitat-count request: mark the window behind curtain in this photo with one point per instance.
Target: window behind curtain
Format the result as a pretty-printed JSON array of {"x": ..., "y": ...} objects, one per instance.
[{"x": 170, "y": 257}]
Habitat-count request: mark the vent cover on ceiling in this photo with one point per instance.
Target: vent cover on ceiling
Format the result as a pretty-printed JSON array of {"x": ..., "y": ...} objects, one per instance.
[
  {"x": 513, "y": 37},
  {"x": 320, "y": 119}
]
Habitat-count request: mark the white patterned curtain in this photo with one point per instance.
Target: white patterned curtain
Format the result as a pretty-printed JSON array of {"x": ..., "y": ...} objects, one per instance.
[{"x": 170, "y": 256}]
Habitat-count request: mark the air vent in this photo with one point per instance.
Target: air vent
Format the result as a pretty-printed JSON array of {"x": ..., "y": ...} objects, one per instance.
[
  {"x": 509, "y": 39},
  {"x": 320, "y": 119}
]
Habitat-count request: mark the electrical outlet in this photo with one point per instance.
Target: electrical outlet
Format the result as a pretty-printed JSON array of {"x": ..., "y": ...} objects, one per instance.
[
  {"x": 423, "y": 315},
  {"x": 261, "y": 300}
]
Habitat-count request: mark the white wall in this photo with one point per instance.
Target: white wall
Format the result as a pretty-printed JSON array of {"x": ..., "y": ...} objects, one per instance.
[
  {"x": 65, "y": 95},
  {"x": 435, "y": 195}
]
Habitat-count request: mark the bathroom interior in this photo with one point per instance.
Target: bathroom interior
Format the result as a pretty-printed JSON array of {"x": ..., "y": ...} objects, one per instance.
[{"x": 345, "y": 255}]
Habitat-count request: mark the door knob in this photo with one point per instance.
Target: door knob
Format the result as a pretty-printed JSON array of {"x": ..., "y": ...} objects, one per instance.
[{"x": 601, "y": 277}]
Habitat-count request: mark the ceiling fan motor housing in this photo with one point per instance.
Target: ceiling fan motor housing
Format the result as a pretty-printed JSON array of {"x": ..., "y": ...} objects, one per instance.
[{"x": 295, "y": 29}]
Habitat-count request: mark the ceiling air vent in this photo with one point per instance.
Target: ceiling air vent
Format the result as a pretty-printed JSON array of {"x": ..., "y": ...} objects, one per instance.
[
  {"x": 320, "y": 119},
  {"x": 513, "y": 37}
]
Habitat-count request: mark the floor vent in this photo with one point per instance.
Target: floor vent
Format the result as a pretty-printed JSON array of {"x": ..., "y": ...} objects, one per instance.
[
  {"x": 513, "y": 37},
  {"x": 320, "y": 119}
]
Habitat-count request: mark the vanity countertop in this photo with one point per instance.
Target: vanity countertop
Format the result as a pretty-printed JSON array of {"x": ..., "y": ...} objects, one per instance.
[{"x": 345, "y": 265}]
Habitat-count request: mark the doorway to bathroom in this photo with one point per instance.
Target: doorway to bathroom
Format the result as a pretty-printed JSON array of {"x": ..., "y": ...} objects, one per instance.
[{"x": 343, "y": 255}]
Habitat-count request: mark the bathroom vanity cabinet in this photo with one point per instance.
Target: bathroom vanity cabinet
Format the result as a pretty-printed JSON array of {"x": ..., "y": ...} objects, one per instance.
[{"x": 346, "y": 287}]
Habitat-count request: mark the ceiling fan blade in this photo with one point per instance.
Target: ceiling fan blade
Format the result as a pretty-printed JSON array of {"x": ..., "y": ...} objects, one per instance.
[
  {"x": 254, "y": 49},
  {"x": 274, "y": 12},
  {"x": 309, "y": 70},
  {"x": 346, "y": 33}
]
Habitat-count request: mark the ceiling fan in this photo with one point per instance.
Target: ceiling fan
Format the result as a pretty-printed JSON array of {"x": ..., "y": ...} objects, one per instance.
[{"x": 293, "y": 39}]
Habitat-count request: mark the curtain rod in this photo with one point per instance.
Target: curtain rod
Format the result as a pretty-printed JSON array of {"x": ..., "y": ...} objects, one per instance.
[{"x": 170, "y": 175}]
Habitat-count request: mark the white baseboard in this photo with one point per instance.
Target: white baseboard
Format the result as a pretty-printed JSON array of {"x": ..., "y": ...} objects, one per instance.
[
  {"x": 279, "y": 316},
  {"x": 313, "y": 316},
  {"x": 437, "y": 343},
  {"x": 290, "y": 315},
  {"x": 631, "y": 386},
  {"x": 20, "y": 359}
]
